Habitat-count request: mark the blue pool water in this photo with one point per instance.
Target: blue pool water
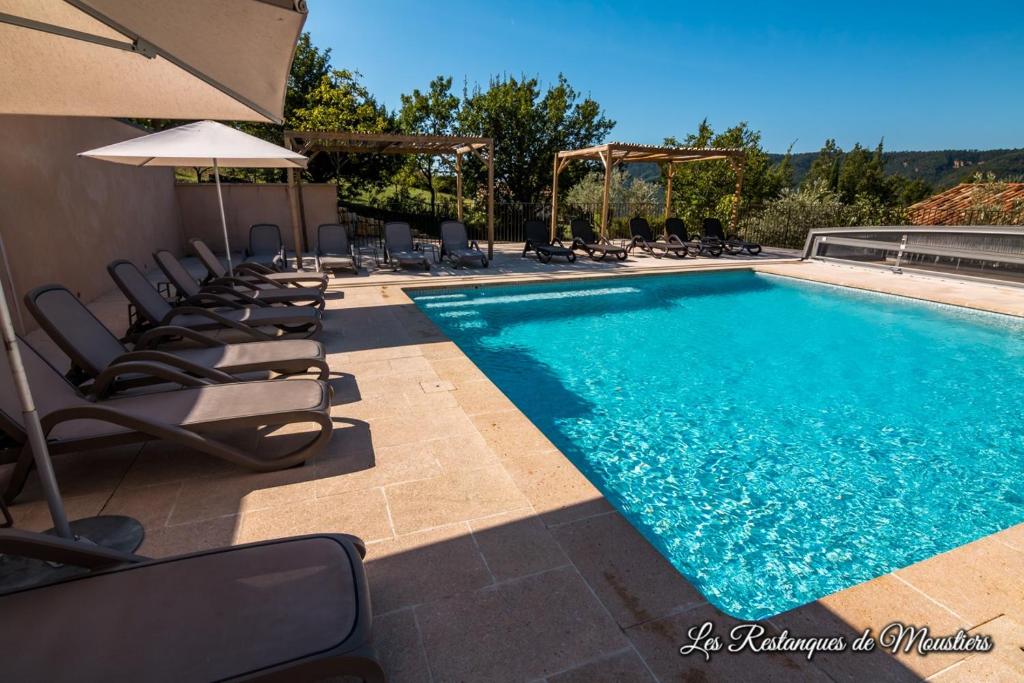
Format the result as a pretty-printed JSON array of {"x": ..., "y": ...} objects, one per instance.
[{"x": 777, "y": 441}]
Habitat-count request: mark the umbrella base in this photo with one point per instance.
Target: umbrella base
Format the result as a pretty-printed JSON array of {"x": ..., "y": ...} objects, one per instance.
[{"x": 109, "y": 531}]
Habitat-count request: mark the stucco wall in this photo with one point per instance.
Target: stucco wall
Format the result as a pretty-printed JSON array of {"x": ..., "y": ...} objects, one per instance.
[
  {"x": 63, "y": 218},
  {"x": 248, "y": 204}
]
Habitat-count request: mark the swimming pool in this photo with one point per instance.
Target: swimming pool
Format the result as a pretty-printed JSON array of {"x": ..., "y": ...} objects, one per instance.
[{"x": 776, "y": 440}]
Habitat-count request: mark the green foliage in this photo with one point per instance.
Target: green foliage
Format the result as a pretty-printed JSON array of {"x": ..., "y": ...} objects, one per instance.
[
  {"x": 528, "y": 127},
  {"x": 434, "y": 112}
]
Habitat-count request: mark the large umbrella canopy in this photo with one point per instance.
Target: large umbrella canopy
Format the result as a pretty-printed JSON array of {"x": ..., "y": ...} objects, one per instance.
[
  {"x": 180, "y": 59},
  {"x": 205, "y": 143}
]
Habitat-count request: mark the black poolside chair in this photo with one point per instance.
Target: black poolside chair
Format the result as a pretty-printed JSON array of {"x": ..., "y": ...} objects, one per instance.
[
  {"x": 644, "y": 238},
  {"x": 675, "y": 229},
  {"x": 290, "y": 609},
  {"x": 266, "y": 248},
  {"x": 333, "y": 249},
  {"x": 261, "y": 276},
  {"x": 546, "y": 249},
  {"x": 458, "y": 248},
  {"x": 733, "y": 244},
  {"x": 597, "y": 248},
  {"x": 400, "y": 248}
]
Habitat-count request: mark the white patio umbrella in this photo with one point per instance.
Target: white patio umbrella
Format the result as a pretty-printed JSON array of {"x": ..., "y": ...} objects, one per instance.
[
  {"x": 187, "y": 59},
  {"x": 205, "y": 143}
]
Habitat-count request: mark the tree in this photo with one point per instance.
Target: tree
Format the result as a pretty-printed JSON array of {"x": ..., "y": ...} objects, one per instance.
[
  {"x": 528, "y": 128},
  {"x": 825, "y": 169},
  {"x": 434, "y": 112}
]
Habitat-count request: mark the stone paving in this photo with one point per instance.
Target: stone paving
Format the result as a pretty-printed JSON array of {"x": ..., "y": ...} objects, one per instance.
[{"x": 490, "y": 557}]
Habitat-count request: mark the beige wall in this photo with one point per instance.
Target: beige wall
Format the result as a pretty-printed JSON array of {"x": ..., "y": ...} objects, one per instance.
[
  {"x": 248, "y": 204},
  {"x": 63, "y": 218}
]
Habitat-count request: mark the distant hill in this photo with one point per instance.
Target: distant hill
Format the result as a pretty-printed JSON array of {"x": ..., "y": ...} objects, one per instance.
[{"x": 940, "y": 169}]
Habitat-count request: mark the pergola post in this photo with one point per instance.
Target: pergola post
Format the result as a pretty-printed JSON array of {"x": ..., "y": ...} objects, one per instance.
[
  {"x": 458, "y": 185},
  {"x": 735, "y": 219},
  {"x": 490, "y": 199},
  {"x": 607, "y": 159},
  {"x": 668, "y": 190},
  {"x": 294, "y": 188},
  {"x": 554, "y": 197}
]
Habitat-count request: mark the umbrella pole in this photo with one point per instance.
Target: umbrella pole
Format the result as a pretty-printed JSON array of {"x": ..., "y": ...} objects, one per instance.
[
  {"x": 223, "y": 219},
  {"x": 33, "y": 427}
]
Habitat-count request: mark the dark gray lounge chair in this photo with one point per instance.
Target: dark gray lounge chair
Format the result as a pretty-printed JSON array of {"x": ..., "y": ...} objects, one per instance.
[
  {"x": 200, "y": 416},
  {"x": 597, "y": 248},
  {"x": 401, "y": 249},
  {"x": 249, "y": 272},
  {"x": 733, "y": 244},
  {"x": 676, "y": 231},
  {"x": 291, "y": 609},
  {"x": 333, "y": 249},
  {"x": 93, "y": 349},
  {"x": 644, "y": 238},
  {"x": 546, "y": 249},
  {"x": 154, "y": 311},
  {"x": 189, "y": 289},
  {"x": 266, "y": 247},
  {"x": 458, "y": 248}
]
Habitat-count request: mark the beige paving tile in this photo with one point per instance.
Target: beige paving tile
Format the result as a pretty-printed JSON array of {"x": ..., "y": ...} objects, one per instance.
[
  {"x": 549, "y": 622},
  {"x": 457, "y": 370},
  {"x": 162, "y": 463},
  {"x": 243, "y": 492},
  {"x": 510, "y": 433},
  {"x": 424, "y": 566},
  {"x": 85, "y": 473},
  {"x": 1013, "y": 537},
  {"x": 555, "y": 488},
  {"x": 440, "y": 350},
  {"x": 972, "y": 580},
  {"x": 361, "y": 513},
  {"x": 336, "y": 474},
  {"x": 616, "y": 668},
  {"x": 630, "y": 577},
  {"x": 417, "y": 426},
  {"x": 452, "y": 497},
  {"x": 151, "y": 505},
  {"x": 481, "y": 397},
  {"x": 396, "y": 641},
  {"x": 462, "y": 452},
  {"x": 189, "y": 538},
  {"x": 35, "y": 515},
  {"x": 1004, "y": 663},
  {"x": 658, "y": 642},
  {"x": 516, "y": 544}
]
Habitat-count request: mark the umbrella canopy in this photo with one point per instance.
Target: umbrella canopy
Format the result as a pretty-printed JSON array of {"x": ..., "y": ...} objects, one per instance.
[
  {"x": 199, "y": 144},
  {"x": 204, "y": 143},
  {"x": 186, "y": 59}
]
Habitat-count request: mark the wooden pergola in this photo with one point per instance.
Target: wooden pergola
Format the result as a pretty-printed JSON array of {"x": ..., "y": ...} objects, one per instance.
[
  {"x": 311, "y": 143},
  {"x": 614, "y": 153}
]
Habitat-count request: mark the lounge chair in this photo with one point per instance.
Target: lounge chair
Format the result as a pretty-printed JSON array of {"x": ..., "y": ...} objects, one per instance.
[
  {"x": 188, "y": 288},
  {"x": 248, "y": 272},
  {"x": 458, "y": 248},
  {"x": 546, "y": 249},
  {"x": 287, "y": 609},
  {"x": 266, "y": 247},
  {"x": 153, "y": 310},
  {"x": 644, "y": 238},
  {"x": 733, "y": 244},
  {"x": 93, "y": 349},
  {"x": 676, "y": 231},
  {"x": 400, "y": 248},
  {"x": 333, "y": 249},
  {"x": 190, "y": 417},
  {"x": 583, "y": 237}
]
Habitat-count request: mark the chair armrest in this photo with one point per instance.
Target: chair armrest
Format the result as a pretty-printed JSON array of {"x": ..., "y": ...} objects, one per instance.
[
  {"x": 232, "y": 282},
  {"x": 213, "y": 316},
  {"x": 170, "y": 359},
  {"x": 233, "y": 295},
  {"x": 105, "y": 382},
  {"x": 152, "y": 338},
  {"x": 211, "y": 300},
  {"x": 49, "y": 548}
]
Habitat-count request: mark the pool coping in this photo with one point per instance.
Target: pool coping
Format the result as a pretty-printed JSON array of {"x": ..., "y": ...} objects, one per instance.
[{"x": 856, "y": 600}]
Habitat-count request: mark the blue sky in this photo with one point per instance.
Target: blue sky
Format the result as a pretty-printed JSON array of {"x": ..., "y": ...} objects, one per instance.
[{"x": 923, "y": 75}]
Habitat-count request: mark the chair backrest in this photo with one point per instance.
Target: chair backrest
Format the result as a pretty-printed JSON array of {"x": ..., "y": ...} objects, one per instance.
[
  {"x": 398, "y": 236},
  {"x": 50, "y": 390},
  {"x": 536, "y": 232},
  {"x": 639, "y": 227},
  {"x": 712, "y": 227},
  {"x": 265, "y": 240},
  {"x": 78, "y": 333},
  {"x": 453, "y": 236},
  {"x": 582, "y": 229},
  {"x": 208, "y": 258},
  {"x": 140, "y": 291},
  {"x": 332, "y": 240},
  {"x": 676, "y": 226},
  {"x": 176, "y": 273}
]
